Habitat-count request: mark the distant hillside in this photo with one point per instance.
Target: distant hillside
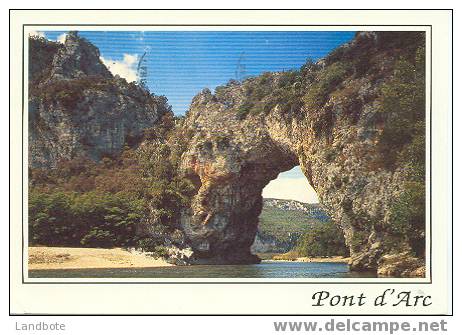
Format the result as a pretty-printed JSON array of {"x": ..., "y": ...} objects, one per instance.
[
  {"x": 314, "y": 211},
  {"x": 283, "y": 221}
]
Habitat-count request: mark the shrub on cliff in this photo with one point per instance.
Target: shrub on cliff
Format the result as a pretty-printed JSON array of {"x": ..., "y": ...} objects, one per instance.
[
  {"x": 263, "y": 93},
  {"x": 165, "y": 191},
  {"x": 408, "y": 216},
  {"x": 403, "y": 107},
  {"x": 326, "y": 81},
  {"x": 403, "y": 144},
  {"x": 68, "y": 91}
]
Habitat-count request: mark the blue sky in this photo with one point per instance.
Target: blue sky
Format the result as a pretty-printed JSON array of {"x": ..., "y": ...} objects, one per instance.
[{"x": 181, "y": 63}]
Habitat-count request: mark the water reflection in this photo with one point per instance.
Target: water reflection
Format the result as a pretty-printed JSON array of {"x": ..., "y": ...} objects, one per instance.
[{"x": 263, "y": 270}]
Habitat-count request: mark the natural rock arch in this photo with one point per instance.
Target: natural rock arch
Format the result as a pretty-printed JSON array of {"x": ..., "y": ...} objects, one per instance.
[
  {"x": 234, "y": 153},
  {"x": 230, "y": 165}
]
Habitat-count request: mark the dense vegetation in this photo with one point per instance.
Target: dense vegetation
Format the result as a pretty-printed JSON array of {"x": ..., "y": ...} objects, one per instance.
[
  {"x": 90, "y": 219},
  {"x": 403, "y": 142},
  {"x": 283, "y": 225},
  {"x": 259, "y": 95},
  {"x": 119, "y": 201},
  {"x": 300, "y": 234},
  {"x": 322, "y": 240}
]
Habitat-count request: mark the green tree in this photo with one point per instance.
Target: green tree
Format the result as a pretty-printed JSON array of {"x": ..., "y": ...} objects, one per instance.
[{"x": 322, "y": 240}]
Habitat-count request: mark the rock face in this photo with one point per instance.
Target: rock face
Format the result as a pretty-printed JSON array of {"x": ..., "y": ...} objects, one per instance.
[
  {"x": 77, "y": 59},
  {"x": 230, "y": 160},
  {"x": 328, "y": 119},
  {"x": 78, "y": 108},
  {"x": 263, "y": 244}
]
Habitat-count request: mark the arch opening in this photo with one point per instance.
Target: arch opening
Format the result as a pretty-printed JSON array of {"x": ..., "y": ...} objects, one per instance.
[{"x": 293, "y": 224}]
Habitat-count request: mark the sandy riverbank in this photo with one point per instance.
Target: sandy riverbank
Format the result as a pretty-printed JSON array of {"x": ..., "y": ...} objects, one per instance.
[{"x": 86, "y": 258}]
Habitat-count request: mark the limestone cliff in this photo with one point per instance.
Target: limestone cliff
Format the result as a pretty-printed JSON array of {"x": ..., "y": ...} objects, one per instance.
[
  {"x": 352, "y": 121},
  {"x": 78, "y": 108},
  {"x": 313, "y": 211}
]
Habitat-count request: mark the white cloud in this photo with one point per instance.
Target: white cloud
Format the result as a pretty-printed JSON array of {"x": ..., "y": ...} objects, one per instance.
[
  {"x": 37, "y": 33},
  {"x": 125, "y": 68},
  {"x": 291, "y": 189},
  {"x": 61, "y": 38}
]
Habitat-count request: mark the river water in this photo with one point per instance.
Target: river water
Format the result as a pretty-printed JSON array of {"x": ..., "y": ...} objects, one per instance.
[{"x": 265, "y": 269}]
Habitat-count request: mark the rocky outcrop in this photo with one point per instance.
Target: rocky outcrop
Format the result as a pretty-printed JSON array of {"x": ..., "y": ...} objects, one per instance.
[
  {"x": 267, "y": 244},
  {"x": 77, "y": 59},
  {"x": 329, "y": 119},
  {"x": 78, "y": 108}
]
